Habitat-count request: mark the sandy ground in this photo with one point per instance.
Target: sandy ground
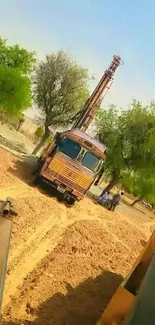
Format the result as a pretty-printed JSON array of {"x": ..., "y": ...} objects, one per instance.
[{"x": 64, "y": 263}]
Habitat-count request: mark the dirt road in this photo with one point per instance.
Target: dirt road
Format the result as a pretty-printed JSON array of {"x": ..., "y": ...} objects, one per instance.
[{"x": 64, "y": 263}]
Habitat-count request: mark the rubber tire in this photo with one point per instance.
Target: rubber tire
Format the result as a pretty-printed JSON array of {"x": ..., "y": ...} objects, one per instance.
[
  {"x": 36, "y": 179},
  {"x": 71, "y": 202}
]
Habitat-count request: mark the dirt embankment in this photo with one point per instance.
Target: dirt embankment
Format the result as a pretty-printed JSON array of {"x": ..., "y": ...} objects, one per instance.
[{"x": 64, "y": 264}]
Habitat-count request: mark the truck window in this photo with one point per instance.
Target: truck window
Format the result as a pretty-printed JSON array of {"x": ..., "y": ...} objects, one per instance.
[
  {"x": 69, "y": 148},
  {"x": 90, "y": 161}
]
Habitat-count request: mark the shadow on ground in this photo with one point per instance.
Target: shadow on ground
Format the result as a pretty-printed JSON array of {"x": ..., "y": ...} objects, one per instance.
[
  {"x": 82, "y": 305},
  {"x": 24, "y": 169}
]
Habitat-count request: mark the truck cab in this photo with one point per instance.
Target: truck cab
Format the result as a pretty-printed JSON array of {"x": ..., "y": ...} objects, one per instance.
[{"x": 72, "y": 163}]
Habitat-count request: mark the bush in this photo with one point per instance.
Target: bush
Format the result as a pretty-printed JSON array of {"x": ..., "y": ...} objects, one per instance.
[
  {"x": 49, "y": 139},
  {"x": 39, "y": 132}
]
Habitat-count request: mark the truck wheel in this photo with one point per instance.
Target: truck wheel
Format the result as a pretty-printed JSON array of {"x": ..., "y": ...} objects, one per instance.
[
  {"x": 71, "y": 201},
  {"x": 36, "y": 179}
]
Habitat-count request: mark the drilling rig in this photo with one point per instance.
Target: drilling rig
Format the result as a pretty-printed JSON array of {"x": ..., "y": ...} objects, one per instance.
[{"x": 73, "y": 161}]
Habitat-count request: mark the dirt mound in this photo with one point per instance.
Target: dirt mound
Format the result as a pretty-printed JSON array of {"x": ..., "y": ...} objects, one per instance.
[
  {"x": 64, "y": 264},
  {"x": 6, "y": 160},
  {"x": 74, "y": 283}
]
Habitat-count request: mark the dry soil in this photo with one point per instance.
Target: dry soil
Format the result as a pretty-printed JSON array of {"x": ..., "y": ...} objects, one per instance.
[{"x": 64, "y": 263}]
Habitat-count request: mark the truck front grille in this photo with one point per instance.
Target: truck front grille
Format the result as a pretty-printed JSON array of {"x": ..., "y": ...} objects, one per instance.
[{"x": 68, "y": 172}]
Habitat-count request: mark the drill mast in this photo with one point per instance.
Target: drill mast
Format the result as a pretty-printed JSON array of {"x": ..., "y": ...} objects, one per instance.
[{"x": 94, "y": 101}]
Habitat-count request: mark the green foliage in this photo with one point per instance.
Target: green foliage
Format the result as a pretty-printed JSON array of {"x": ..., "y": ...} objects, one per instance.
[
  {"x": 107, "y": 122},
  {"x": 15, "y": 92},
  {"x": 60, "y": 90},
  {"x": 15, "y": 86},
  {"x": 21, "y": 117},
  {"x": 16, "y": 57},
  {"x": 39, "y": 132},
  {"x": 49, "y": 139},
  {"x": 137, "y": 126},
  {"x": 130, "y": 138},
  {"x": 140, "y": 184}
]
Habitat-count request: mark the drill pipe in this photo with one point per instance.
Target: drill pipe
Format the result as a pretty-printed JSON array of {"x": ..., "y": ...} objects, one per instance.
[{"x": 7, "y": 207}]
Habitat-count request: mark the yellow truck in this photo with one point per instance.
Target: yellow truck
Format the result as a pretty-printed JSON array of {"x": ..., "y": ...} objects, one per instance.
[{"x": 71, "y": 164}]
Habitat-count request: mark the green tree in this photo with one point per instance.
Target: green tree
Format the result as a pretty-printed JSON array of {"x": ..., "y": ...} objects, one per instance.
[
  {"x": 60, "y": 90},
  {"x": 16, "y": 57},
  {"x": 107, "y": 123},
  {"x": 16, "y": 65},
  {"x": 137, "y": 126},
  {"x": 15, "y": 91},
  {"x": 141, "y": 185},
  {"x": 130, "y": 138}
]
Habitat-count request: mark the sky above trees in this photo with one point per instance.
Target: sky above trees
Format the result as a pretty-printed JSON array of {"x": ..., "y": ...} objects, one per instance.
[{"x": 92, "y": 31}]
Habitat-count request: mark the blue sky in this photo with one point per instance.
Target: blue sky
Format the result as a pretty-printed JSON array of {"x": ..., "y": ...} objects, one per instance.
[{"x": 92, "y": 31}]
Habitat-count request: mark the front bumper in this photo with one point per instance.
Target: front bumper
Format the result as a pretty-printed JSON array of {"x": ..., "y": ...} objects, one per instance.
[{"x": 59, "y": 182}]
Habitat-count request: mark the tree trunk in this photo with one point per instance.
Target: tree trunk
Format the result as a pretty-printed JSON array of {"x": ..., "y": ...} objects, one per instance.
[
  {"x": 42, "y": 142},
  {"x": 36, "y": 141},
  {"x": 136, "y": 201},
  {"x": 112, "y": 183},
  {"x": 19, "y": 125}
]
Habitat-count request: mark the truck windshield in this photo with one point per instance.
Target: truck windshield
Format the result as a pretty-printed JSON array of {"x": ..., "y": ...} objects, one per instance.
[
  {"x": 69, "y": 148},
  {"x": 90, "y": 161}
]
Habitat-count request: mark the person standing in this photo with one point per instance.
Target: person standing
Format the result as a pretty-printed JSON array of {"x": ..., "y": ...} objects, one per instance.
[
  {"x": 116, "y": 200},
  {"x": 103, "y": 199}
]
